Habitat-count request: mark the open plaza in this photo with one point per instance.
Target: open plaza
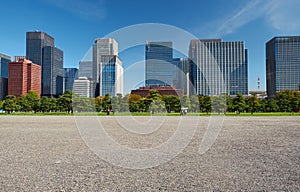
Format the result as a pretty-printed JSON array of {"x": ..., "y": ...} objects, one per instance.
[{"x": 60, "y": 153}]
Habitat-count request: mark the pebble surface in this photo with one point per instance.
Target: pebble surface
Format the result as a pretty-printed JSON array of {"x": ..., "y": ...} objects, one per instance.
[{"x": 250, "y": 154}]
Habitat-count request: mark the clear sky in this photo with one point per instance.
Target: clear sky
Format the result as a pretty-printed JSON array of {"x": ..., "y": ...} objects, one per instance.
[{"x": 76, "y": 23}]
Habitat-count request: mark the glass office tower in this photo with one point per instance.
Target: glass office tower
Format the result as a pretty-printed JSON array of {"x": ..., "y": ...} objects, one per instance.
[
  {"x": 218, "y": 67},
  {"x": 283, "y": 64},
  {"x": 40, "y": 49},
  {"x": 4, "y": 60},
  {"x": 159, "y": 63},
  {"x": 70, "y": 74}
]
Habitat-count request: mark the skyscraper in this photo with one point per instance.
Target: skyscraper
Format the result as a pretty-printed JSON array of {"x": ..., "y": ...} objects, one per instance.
[
  {"x": 41, "y": 50},
  {"x": 111, "y": 75},
  {"x": 105, "y": 57},
  {"x": 70, "y": 74},
  {"x": 283, "y": 64},
  {"x": 4, "y": 60},
  {"x": 159, "y": 67},
  {"x": 35, "y": 42},
  {"x": 23, "y": 76},
  {"x": 52, "y": 72},
  {"x": 181, "y": 77},
  {"x": 85, "y": 69},
  {"x": 218, "y": 67}
]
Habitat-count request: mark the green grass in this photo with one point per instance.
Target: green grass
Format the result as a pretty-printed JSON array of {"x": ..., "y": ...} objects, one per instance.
[{"x": 146, "y": 114}]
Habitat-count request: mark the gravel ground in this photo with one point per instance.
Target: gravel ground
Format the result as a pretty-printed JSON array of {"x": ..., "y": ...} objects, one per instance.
[{"x": 249, "y": 154}]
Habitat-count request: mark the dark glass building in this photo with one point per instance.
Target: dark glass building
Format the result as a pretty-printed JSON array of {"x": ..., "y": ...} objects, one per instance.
[
  {"x": 4, "y": 60},
  {"x": 52, "y": 72},
  {"x": 283, "y": 64},
  {"x": 35, "y": 42},
  {"x": 70, "y": 74},
  {"x": 40, "y": 49},
  {"x": 159, "y": 67},
  {"x": 218, "y": 67}
]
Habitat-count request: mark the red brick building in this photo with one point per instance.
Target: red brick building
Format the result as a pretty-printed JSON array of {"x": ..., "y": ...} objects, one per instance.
[
  {"x": 23, "y": 76},
  {"x": 162, "y": 90}
]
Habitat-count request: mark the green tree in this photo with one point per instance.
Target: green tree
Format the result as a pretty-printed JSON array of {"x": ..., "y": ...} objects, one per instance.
[
  {"x": 10, "y": 104},
  {"x": 283, "y": 101},
  {"x": 239, "y": 103},
  {"x": 45, "y": 104},
  {"x": 205, "y": 103},
  {"x": 1, "y": 105},
  {"x": 253, "y": 104},
  {"x": 33, "y": 101},
  {"x": 272, "y": 106},
  {"x": 172, "y": 103},
  {"x": 195, "y": 107},
  {"x": 65, "y": 101}
]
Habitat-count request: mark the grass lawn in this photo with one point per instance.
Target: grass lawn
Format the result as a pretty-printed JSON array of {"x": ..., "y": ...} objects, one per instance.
[{"x": 148, "y": 114}]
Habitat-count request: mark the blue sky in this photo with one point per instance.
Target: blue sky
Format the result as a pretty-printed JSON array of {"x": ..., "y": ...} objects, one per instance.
[{"x": 76, "y": 23}]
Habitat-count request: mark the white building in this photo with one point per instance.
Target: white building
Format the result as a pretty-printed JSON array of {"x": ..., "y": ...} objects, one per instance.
[{"x": 82, "y": 87}]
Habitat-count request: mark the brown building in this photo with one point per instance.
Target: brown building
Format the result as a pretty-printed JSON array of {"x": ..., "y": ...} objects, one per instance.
[
  {"x": 162, "y": 90},
  {"x": 23, "y": 76}
]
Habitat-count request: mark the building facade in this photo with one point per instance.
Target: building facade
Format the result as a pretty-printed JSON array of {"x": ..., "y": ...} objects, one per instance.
[
  {"x": 82, "y": 87},
  {"x": 4, "y": 60},
  {"x": 111, "y": 75},
  {"x": 23, "y": 76},
  {"x": 159, "y": 67},
  {"x": 40, "y": 49},
  {"x": 70, "y": 74},
  {"x": 162, "y": 90},
  {"x": 52, "y": 72},
  {"x": 283, "y": 64},
  {"x": 218, "y": 67},
  {"x": 182, "y": 71},
  {"x": 105, "y": 60},
  {"x": 85, "y": 69}
]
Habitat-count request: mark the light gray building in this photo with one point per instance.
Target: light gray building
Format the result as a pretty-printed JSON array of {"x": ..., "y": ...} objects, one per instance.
[
  {"x": 218, "y": 67},
  {"x": 82, "y": 87},
  {"x": 181, "y": 77},
  {"x": 105, "y": 55}
]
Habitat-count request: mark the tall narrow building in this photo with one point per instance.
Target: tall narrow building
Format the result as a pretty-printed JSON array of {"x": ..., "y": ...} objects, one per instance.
[
  {"x": 105, "y": 55},
  {"x": 159, "y": 67},
  {"x": 4, "y": 60},
  {"x": 70, "y": 74},
  {"x": 41, "y": 50},
  {"x": 218, "y": 67},
  {"x": 111, "y": 75},
  {"x": 23, "y": 76},
  {"x": 182, "y": 71},
  {"x": 283, "y": 64}
]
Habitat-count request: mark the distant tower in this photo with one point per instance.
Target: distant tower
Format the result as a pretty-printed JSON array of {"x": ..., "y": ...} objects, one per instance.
[{"x": 258, "y": 83}]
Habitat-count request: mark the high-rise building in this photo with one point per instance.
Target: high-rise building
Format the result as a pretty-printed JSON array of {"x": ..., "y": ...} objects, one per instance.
[
  {"x": 105, "y": 56},
  {"x": 159, "y": 67},
  {"x": 70, "y": 74},
  {"x": 52, "y": 72},
  {"x": 181, "y": 77},
  {"x": 85, "y": 69},
  {"x": 82, "y": 87},
  {"x": 218, "y": 67},
  {"x": 40, "y": 49},
  {"x": 35, "y": 42},
  {"x": 23, "y": 76},
  {"x": 4, "y": 60},
  {"x": 111, "y": 75},
  {"x": 283, "y": 64}
]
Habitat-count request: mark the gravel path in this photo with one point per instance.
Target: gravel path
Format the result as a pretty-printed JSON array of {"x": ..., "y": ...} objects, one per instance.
[{"x": 250, "y": 154}]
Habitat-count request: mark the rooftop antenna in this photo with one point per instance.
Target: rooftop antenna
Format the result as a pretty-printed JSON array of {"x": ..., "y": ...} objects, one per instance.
[{"x": 258, "y": 83}]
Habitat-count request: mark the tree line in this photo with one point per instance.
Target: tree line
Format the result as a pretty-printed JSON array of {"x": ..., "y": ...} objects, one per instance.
[{"x": 285, "y": 101}]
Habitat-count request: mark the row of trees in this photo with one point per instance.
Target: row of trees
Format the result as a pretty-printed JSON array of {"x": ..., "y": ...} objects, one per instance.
[{"x": 286, "y": 101}]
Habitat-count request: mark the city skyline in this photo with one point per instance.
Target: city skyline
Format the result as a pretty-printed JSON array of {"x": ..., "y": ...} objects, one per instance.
[{"x": 254, "y": 22}]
